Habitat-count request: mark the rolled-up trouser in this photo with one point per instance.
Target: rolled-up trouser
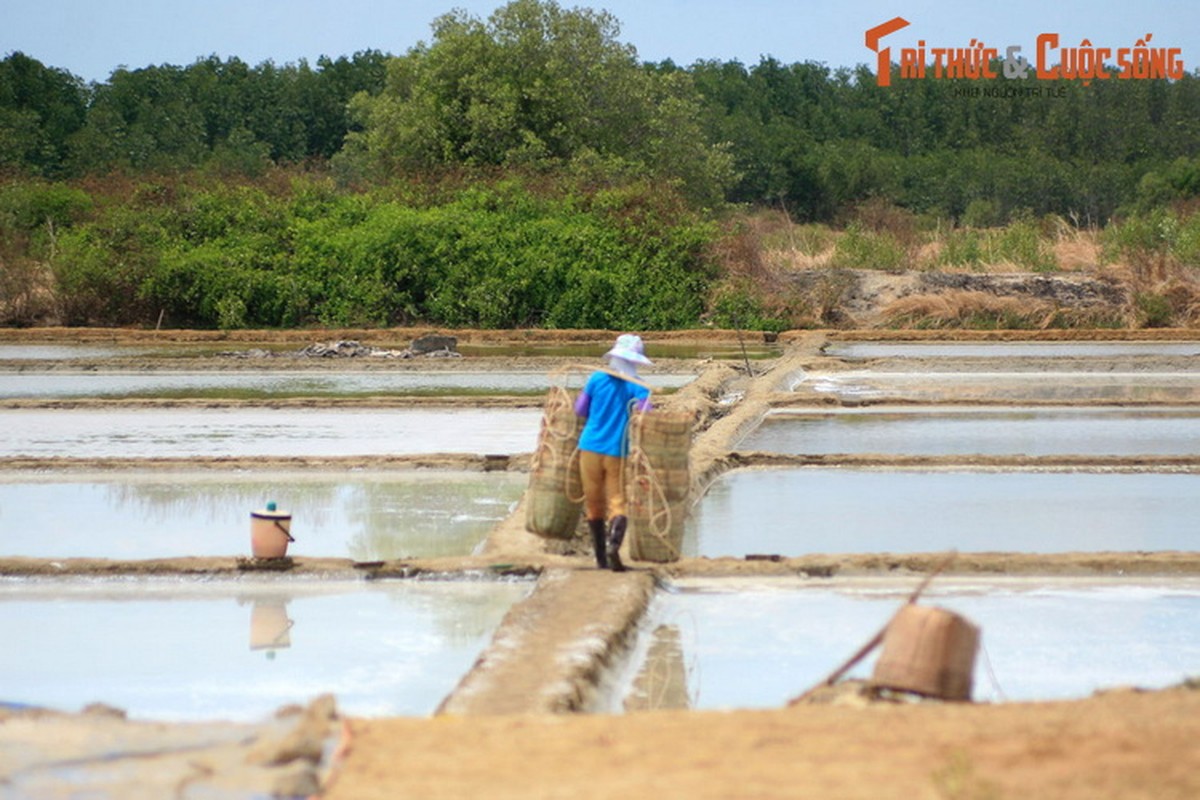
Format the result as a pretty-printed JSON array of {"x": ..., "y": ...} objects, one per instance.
[{"x": 603, "y": 489}]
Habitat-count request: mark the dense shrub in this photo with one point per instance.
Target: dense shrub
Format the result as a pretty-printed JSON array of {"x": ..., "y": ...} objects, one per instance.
[
  {"x": 102, "y": 267},
  {"x": 487, "y": 256}
]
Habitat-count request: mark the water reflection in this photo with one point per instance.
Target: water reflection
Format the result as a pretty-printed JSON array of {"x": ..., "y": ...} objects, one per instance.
[
  {"x": 366, "y": 516},
  {"x": 249, "y": 432},
  {"x": 177, "y": 650},
  {"x": 662, "y": 681},
  {"x": 270, "y": 625},
  {"x": 59, "y": 352},
  {"x": 757, "y": 645},
  {"x": 794, "y": 512}
]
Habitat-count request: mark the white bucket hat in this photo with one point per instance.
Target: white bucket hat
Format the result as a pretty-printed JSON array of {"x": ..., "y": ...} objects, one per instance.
[{"x": 630, "y": 348}]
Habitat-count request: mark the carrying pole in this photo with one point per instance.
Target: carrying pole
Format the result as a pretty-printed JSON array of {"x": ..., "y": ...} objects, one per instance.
[{"x": 630, "y": 378}]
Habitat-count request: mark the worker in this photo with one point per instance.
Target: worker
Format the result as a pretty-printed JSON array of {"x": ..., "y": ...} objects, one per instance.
[{"x": 608, "y": 399}]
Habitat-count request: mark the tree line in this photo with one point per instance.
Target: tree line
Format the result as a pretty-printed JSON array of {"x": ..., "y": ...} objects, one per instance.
[
  {"x": 164, "y": 118},
  {"x": 817, "y": 141},
  {"x": 381, "y": 189},
  {"x": 540, "y": 86}
]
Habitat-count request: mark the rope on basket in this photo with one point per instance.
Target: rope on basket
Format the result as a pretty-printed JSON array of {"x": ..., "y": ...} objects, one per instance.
[
  {"x": 556, "y": 401},
  {"x": 659, "y": 507},
  {"x": 559, "y": 398}
]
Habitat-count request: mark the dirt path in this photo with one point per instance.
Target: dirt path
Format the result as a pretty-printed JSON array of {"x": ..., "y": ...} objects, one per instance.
[{"x": 1118, "y": 746}]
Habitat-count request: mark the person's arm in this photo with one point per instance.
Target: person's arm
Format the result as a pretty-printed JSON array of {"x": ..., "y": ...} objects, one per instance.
[{"x": 643, "y": 399}]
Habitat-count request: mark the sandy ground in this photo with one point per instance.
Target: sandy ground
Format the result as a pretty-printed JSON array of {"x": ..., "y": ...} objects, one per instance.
[{"x": 1121, "y": 744}]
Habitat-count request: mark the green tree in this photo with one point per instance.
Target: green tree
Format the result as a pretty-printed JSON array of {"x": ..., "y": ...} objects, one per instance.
[
  {"x": 40, "y": 108},
  {"x": 537, "y": 86},
  {"x": 145, "y": 119},
  {"x": 322, "y": 96}
]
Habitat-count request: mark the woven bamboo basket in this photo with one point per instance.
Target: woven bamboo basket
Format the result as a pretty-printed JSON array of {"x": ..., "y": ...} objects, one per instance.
[
  {"x": 658, "y": 484},
  {"x": 554, "y": 499},
  {"x": 928, "y": 651}
]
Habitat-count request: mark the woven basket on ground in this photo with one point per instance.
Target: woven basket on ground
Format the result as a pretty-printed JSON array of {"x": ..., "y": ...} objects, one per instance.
[
  {"x": 555, "y": 495},
  {"x": 658, "y": 484}
]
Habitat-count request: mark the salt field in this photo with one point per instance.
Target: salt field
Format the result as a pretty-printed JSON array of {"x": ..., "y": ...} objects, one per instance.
[
  {"x": 62, "y": 352},
  {"x": 190, "y": 648},
  {"x": 1033, "y": 386},
  {"x": 258, "y": 431},
  {"x": 361, "y": 515},
  {"x": 870, "y": 350},
  {"x": 585, "y": 351},
  {"x": 757, "y": 644},
  {"x": 238, "y": 650},
  {"x": 794, "y": 512},
  {"x": 965, "y": 430},
  {"x": 297, "y": 383}
]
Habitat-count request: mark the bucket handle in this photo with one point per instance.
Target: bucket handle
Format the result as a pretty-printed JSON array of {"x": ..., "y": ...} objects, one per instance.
[
  {"x": 284, "y": 531},
  {"x": 278, "y": 640}
]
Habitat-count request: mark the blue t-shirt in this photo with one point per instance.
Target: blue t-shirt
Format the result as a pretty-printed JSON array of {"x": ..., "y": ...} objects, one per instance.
[{"x": 608, "y": 414}]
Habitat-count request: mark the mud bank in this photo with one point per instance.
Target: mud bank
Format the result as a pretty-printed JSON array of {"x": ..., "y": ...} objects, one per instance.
[
  {"x": 100, "y": 753},
  {"x": 67, "y": 465},
  {"x": 524, "y": 563}
]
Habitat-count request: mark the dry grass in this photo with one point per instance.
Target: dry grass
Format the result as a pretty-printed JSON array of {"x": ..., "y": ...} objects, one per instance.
[
  {"x": 756, "y": 256},
  {"x": 970, "y": 309},
  {"x": 1173, "y": 300},
  {"x": 963, "y": 308},
  {"x": 784, "y": 245},
  {"x": 983, "y": 311},
  {"x": 26, "y": 292},
  {"x": 790, "y": 247},
  {"x": 1167, "y": 294},
  {"x": 1078, "y": 251},
  {"x": 793, "y": 260}
]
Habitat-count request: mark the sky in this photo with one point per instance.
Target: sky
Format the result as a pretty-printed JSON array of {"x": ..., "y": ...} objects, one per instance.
[{"x": 91, "y": 38}]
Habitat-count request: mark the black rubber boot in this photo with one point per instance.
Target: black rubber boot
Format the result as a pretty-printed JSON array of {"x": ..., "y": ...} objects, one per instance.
[
  {"x": 596, "y": 526},
  {"x": 616, "y": 535}
]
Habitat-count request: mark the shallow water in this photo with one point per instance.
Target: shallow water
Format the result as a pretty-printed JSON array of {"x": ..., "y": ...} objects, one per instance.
[
  {"x": 863, "y": 350},
  {"x": 286, "y": 384},
  {"x": 248, "y": 432},
  {"x": 61, "y": 352},
  {"x": 233, "y": 650},
  {"x": 1011, "y": 387},
  {"x": 981, "y": 431},
  {"x": 794, "y": 512},
  {"x": 363, "y": 516},
  {"x": 757, "y": 645},
  {"x": 752, "y": 348}
]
